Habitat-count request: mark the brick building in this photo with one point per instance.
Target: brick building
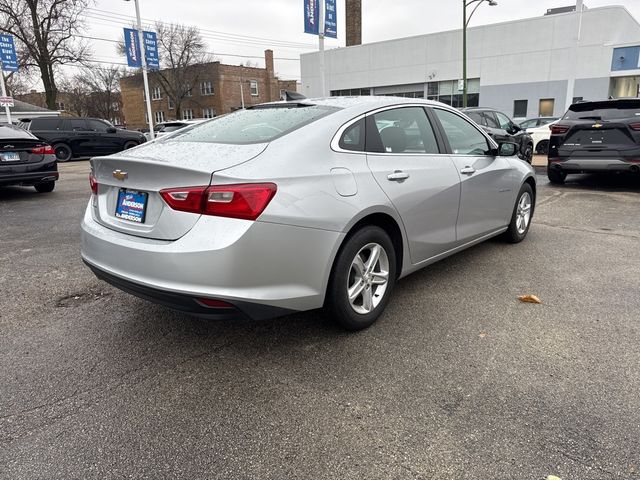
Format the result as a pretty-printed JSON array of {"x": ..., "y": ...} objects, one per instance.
[{"x": 210, "y": 89}]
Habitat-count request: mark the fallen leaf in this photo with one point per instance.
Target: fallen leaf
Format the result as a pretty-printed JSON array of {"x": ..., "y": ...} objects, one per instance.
[
  {"x": 529, "y": 299},
  {"x": 482, "y": 334},
  {"x": 553, "y": 477}
]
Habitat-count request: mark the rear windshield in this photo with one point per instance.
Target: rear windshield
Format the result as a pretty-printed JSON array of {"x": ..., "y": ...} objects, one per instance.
[
  {"x": 603, "y": 110},
  {"x": 257, "y": 125}
]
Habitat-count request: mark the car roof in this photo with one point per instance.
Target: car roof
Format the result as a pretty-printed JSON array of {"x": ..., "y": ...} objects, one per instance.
[{"x": 12, "y": 131}]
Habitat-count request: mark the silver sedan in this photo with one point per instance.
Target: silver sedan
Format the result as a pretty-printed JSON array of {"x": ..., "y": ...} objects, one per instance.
[{"x": 293, "y": 206}]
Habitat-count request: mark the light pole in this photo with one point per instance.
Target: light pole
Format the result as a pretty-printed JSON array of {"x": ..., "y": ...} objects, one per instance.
[
  {"x": 465, "y": 23},
  {"x": 145, "y": 78}
]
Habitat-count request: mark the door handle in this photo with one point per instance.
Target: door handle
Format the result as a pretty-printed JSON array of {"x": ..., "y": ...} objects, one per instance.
[
  {"x": 397, "y": 176},
  {"x": 468, "y": 170}
]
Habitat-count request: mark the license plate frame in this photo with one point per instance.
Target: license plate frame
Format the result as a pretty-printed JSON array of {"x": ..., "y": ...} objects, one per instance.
[
  {"x": 131, "y": 212},
  {"x": 13, "y": 157}
]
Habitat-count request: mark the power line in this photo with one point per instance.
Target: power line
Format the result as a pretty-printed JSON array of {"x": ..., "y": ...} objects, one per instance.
[{"x": 210, "y": 53}]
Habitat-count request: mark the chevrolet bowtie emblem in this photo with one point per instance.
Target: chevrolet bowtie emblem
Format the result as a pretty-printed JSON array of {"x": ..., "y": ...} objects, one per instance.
[
  {"x": 596, "y": 125},
  {"x": 120, "y": 175}
]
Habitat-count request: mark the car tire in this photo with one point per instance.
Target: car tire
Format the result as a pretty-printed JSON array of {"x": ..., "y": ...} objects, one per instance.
[
  {"x": 543, "y": 147},
  {"x": 556, "y": 176},
  {"x": 352, "y": 272},
  {"x": 45, "y": 187},
  {"x": 527, "y": 154},
  {"x": 63, "y": 152},
  {"x": 131, "y": 144},
  {"x": 521, "y": 216}
]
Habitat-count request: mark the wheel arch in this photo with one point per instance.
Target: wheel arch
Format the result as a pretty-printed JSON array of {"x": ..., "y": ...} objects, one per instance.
[{"x": 532, "y": 183}]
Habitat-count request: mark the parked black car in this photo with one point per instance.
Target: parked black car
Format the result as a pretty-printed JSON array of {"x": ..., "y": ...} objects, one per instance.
[
  {"x": 82, "y": 137},
  {"x": 26, "y": 160},
  {"x": 502, "y": 129},
  {"x": 595, "y": 137}
]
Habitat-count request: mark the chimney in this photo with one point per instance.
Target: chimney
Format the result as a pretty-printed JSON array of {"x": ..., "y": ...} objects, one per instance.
[
  {"x": 268, "y": 65},
  {"x": 354, "y": 22}
]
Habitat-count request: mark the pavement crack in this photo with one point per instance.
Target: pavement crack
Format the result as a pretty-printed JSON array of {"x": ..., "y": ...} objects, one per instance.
[{"x": 590, "y": 230}]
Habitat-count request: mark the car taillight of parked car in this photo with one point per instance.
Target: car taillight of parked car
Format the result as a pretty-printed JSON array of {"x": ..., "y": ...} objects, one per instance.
[
  {"x": 559, "y": 129},
  {"x": 244, "y": 201},
  {"x": 635, "y": 126},
  {"x": 43, "y": 150},
  {"x": 93, "y": 183}
]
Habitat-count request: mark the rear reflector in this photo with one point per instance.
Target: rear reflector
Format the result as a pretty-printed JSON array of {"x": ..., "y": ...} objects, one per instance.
[
  {"x": 43, "y": 150},
  {"x": 635, "y": 126},
  {"x": 213, "y": 303},
  {"x": 559, "y": 129},
  {"x": 93, "y": 183},
  {"x": 245, "y": 201}
]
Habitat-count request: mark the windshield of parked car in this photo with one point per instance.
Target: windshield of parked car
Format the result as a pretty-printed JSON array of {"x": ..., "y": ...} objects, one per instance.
[
  {"x": 603, "y": 110},
  {"x": 256, "y": 125}
]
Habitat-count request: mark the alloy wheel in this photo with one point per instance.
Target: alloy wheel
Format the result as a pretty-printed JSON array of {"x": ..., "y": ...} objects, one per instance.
[
  {"x": 368, "y": 278},
  {"x": 523, "y": 213}
]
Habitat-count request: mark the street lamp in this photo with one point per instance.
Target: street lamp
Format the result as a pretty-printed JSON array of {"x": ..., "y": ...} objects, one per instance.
[
  {"x": 145, "y": 78},
  {"x": 465, "y": 23}
]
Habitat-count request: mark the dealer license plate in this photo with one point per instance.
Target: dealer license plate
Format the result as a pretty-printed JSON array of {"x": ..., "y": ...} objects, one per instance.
[{"x": 131, "y": 205}]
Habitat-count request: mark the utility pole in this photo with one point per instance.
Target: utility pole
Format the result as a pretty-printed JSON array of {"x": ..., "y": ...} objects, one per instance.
[
  {"x": 573, "y": 64},
  {"x": 323, "y": 84},
  {"x": 7, "y": 109}
]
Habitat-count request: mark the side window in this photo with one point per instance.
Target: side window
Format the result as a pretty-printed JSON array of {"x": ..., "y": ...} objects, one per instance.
[
  {"x": 353, "y": 137},
  {"x": 76, "y": 125},
  {"x": 504, "y": 121},
  {"x": 477, "y": 117},
  {"x": 97, "y": 126},
  {"x": 44, "y": 124},
  {"x": 405, "y": 130},
  {"x": 464, "y": 138},
  {"x": 491, "y": 120}
]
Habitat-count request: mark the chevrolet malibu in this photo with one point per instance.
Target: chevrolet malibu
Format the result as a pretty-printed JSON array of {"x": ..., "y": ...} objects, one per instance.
[{"x": 293, "y": 206}]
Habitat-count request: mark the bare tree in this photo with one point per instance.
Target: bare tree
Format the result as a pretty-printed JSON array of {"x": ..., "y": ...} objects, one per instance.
[
  {"x": 103, "y": 87},
  {"x": 46, "y": 31},
  {"x": 75, "y": 96},
  {"x": 182, "y": 53}
]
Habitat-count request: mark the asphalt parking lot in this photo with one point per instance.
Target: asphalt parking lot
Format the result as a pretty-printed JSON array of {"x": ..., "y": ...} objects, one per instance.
[{"x": 458, "y": 380}]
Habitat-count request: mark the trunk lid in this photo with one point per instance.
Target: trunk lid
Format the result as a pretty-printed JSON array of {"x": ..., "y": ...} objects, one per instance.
[
  {"x": 598, "y": 138},
  {"x": 18, "y": 151},
  {"x": 139, "y": 174}
]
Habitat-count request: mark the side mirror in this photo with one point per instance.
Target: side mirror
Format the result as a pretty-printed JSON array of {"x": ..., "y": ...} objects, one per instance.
[
  {"x": 112, "y": 130},
  {"x": 515, "y": 128},
  {"x": 507, "y": 149}
]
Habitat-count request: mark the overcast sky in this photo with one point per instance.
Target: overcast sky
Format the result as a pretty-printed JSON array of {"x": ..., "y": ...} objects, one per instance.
[{"x": 231, "y": 26}]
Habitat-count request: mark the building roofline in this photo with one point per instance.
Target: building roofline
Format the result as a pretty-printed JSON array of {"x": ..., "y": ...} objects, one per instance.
[{"x": 477, "y": 27}]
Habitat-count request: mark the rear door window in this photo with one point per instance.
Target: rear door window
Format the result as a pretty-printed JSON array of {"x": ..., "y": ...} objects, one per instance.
[
  {"x": 44, "y": 124},
  {"x": 97, "y": 126},
  {"x": 76, "y": 125},
  {"x": 405, "y": 130}
]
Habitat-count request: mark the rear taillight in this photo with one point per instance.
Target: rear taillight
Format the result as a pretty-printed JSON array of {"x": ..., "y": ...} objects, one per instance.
[
  {"x": 213, "y": 303},
  {"x": 635, "y": 126},
  {"x": 93, "y": 183},
  {"x": 246, "y": 200},
  {"x": 559, "y": 129},
  {"x": 43, "y": 150}
]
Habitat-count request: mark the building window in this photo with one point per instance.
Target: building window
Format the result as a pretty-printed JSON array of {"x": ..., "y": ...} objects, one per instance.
[
  {"x": 546, "y": 107},
  {"x": 449, "y": 92},
  {"x": 351, "y": 92},
  {"x": 253, "y": 87},
  {"x": 404, "y": 94},
  {"x": 156, "y": 93},
  {"x": 577, "y": 99},
  {"x": 60, "y": 106},
  {"x": 115, "y": 106},
  {"x": 146, "y": 117},
  {"x": 170, "y": 104},
  {"x": 188, "y": 91},
  {"x": 520, "y": 108},
  {"x": 159, "y": 117},
  {"x": 208, "y": 113},
  {"x": 187, "y": 114},
  {"x": 206, "y": 88}
]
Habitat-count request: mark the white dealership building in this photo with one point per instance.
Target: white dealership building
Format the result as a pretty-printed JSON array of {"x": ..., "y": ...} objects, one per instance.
[{"x": 525, "y": 68}]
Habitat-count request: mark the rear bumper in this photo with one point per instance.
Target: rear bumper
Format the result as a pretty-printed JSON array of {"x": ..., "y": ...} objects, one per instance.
[
  {"x": 587, "y": 165},
  {"x": 263, "y": 269},
  {"x": 28, "y": 174}
]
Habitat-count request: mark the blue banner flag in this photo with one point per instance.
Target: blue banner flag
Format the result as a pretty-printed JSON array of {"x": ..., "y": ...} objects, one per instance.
[
  {"x": 8, "y": 53},
  {"x": 132, "y": 47},
  {"x": 311, "y": 15},
  {"x": 151, "y": 50},
  {"x": 330, "y": 20}
]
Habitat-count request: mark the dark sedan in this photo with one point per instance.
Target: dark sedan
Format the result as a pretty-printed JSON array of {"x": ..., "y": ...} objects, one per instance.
[{"x": 26, "y": 160}]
